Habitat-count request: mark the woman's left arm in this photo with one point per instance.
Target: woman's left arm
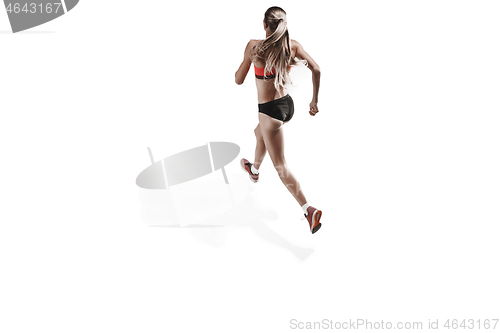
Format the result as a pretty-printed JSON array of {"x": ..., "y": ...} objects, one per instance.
[{"x": 242, "y": 72}]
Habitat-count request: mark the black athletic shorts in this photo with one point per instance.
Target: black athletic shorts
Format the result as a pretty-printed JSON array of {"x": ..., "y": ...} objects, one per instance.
[{"x": 281, "y": 108}]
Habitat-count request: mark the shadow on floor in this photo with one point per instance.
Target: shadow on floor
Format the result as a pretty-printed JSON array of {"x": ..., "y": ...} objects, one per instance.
[{"x": 248, "y": 213}]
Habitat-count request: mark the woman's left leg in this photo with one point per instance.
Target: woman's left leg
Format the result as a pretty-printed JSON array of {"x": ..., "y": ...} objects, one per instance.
[{"x": 260, "y": 148}]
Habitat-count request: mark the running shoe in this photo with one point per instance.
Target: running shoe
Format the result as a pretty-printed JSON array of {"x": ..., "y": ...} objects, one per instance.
[
  {"x": 313, "y": 216},
  {"x": 247, "y": 166}
]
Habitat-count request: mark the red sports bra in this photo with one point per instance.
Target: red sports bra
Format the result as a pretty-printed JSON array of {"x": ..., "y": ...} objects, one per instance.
[{"x": 259, "y": 73}]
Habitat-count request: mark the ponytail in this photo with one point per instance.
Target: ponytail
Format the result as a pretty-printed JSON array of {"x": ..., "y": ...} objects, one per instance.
[{"x": 275, "y": 49}]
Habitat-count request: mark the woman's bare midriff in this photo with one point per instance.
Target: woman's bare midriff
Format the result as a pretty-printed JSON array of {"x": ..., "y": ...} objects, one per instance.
[{"x": 266, "y": 91}]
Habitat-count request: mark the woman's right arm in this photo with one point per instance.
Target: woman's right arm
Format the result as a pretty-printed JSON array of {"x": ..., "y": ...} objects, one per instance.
[
  {"x": 242, "y": 71},
  {"x": 316, "y": 74}
]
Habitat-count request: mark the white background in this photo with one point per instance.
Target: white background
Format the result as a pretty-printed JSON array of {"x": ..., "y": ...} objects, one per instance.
[{"x": 402, "y": 158}]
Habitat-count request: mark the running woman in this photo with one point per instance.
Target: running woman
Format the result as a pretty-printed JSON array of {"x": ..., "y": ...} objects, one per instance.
[{"x": 272, "y": 58}]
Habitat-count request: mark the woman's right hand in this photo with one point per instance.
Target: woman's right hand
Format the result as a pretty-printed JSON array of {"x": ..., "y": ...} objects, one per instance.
[
  {"x": 313, "y": 108},
  {"x": 316, "y": 74}
]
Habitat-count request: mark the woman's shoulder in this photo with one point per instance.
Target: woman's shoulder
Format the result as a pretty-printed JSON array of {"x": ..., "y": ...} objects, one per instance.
[
  {"x": 251, "y": 44},
  {"x": 294, "y": 43},
  {"x": 254, "y": 42},
  {"x": 250, "y": 49}
]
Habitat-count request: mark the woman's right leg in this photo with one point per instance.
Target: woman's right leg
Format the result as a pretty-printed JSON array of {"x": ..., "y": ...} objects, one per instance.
[
  {"x": 272, "y": 133},
  {"x": 260, "y": 148}
]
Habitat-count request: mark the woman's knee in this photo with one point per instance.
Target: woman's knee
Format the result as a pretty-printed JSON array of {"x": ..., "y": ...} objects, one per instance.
[
  {"x": 258, "y": 134},
  {"x": 281, "y": 168},
  {"x": 279, "y": 163}
]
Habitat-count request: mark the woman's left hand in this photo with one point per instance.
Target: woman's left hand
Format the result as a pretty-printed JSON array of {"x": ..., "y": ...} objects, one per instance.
[{"x": 313, "y": 108}]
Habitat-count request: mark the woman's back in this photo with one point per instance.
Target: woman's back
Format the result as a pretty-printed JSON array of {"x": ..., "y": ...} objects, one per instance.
[{"x": 266, "y": 89}]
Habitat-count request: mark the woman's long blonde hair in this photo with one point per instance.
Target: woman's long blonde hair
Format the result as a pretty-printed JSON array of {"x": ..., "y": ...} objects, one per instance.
[{"x": 275, "y": 49}]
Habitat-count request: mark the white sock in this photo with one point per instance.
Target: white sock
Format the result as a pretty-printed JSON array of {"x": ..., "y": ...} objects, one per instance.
[
  {"x": 304, "y": 208},
  {"x": 255, "y": 171}
]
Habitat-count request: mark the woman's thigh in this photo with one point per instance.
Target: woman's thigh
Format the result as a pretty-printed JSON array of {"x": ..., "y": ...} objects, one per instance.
[{"x": 272, "y": 133}]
